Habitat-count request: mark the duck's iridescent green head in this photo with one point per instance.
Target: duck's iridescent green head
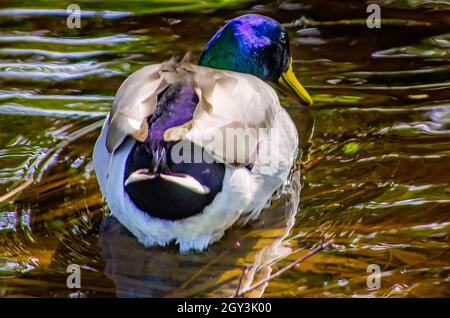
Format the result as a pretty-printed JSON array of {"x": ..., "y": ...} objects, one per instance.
[{"x": 256, "y": 45}]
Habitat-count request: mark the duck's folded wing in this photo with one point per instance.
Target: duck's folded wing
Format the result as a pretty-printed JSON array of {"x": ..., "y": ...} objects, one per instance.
[
  {"x": 234, "y": 112},
  {"x": 135, "y": 100}
]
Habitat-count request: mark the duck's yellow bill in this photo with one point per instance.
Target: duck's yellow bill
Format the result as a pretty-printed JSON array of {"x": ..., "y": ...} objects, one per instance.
[{"x": 290, "y": 82}]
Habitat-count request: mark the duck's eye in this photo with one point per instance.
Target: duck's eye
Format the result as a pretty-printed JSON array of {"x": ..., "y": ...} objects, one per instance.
[{"x": 283, "y": 38}]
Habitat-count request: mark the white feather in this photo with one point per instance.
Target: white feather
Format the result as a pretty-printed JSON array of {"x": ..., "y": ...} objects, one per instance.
[{"x": 187, "y": 182}]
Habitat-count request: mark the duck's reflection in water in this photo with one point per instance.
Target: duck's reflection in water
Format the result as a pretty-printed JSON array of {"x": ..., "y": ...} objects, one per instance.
[{"x": 164, "y": 272}]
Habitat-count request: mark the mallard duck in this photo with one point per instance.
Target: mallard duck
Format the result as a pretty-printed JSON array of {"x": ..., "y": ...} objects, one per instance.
[{"x": 165, "y": 115}]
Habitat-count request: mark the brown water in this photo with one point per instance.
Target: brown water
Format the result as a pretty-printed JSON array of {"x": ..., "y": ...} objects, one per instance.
[{"x": 375, "y": 151}]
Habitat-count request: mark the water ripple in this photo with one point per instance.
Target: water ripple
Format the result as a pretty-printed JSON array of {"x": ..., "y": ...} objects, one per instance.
[
  {"x": 54, "y": 54},
  {"x": 105, "y": 40},
  {"x": 61, "y": 12},
  {"x": 30, "y": 111}
]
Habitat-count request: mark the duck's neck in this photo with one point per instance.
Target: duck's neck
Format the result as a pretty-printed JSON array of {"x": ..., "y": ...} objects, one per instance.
[{"x": 225, "y": 51}]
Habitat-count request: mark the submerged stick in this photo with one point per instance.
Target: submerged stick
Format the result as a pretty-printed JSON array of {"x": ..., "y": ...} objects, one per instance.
[
  {"x": 238, "y": 289},
  {"x": 318, "y": 249},
  {"x": 16, "y": 190}
]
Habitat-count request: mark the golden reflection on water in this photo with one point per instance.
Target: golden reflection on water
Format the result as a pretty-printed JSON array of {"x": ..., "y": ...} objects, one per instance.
[{"x": 374, "y": 161}]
